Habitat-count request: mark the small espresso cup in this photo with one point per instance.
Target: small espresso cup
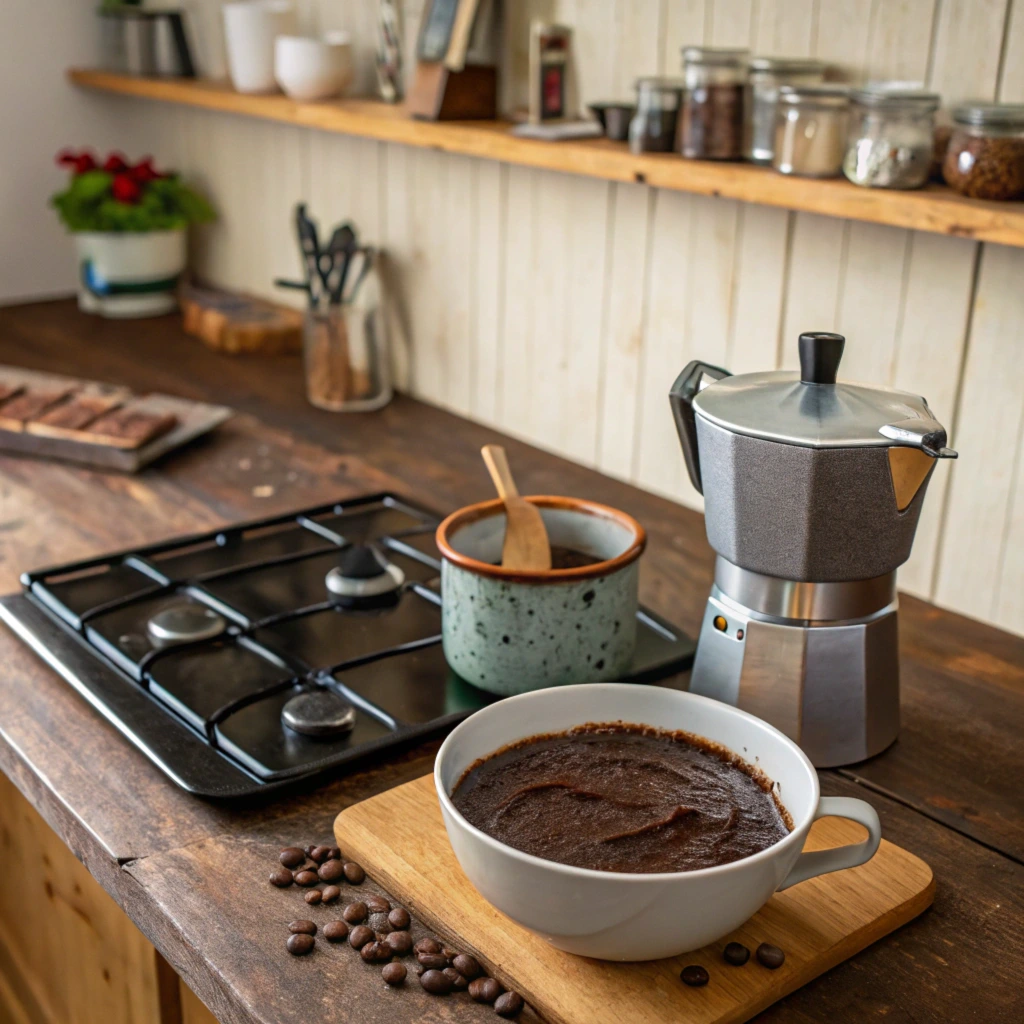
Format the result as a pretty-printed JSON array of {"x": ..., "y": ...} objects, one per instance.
[{"x": 509, "y": 631}]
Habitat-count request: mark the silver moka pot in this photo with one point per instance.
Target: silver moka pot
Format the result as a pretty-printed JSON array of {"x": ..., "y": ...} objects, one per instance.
[{"x": 812, "y": 492}]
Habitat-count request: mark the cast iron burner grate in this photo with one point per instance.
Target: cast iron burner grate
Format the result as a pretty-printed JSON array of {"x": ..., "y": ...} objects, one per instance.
[{"x": 246, "y": 658}]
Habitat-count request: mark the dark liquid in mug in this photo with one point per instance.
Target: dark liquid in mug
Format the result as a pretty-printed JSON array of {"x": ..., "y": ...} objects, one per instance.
[
  {"x": 623, "y": 798},
  {"x": 568, "y": 558}
]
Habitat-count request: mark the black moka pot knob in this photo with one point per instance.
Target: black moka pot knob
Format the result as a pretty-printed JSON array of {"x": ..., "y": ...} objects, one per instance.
[{"x": 820, "y": 352}]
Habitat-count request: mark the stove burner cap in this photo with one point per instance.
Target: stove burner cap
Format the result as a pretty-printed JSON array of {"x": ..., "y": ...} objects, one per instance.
[
  {"x": 184, "y": 622},
  {"x": 318, "y": 713},
  {"x": 363, "y": 576}
]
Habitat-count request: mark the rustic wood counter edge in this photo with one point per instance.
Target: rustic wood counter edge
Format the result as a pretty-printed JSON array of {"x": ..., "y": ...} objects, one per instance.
[{"x": 192, "y": 875}]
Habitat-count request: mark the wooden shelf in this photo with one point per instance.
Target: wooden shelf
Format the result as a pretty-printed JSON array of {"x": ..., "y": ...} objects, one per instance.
[{"x": 936, "y": 208}]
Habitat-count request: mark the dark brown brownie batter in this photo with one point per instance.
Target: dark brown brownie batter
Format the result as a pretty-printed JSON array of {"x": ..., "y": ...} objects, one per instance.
[{"x": 617, "y": 797}]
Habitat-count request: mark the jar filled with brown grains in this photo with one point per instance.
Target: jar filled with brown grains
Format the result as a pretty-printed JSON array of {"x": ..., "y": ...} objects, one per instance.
[
  {"x": 767, "y": 74},
  {"x": 810, "y": 130},
  {"x": 653, "y": 127},
  {"x": 985, "y": 155},
  {"x": 711, "y": 114}
]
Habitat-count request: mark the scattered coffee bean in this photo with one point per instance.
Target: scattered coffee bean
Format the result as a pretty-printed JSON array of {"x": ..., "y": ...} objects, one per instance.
[
  {"x": 436, "y": 983},
  {"x": 735, "y": 953},
  {"x": 428, "y": 945},
  {"x": 313, "y": 897},
  {"x": 335, "y": 854},
  {"x": 508, "y": 1004},
  {"x": 355, "y": 912},
  {"x": 300, "y": 944},
  {"x": 484, "y": 990},
  {"x": 319, "y": 853},
  {"x": 360, "y": 936},
  {"x": 399, "y": 918},
  {"x": 694, "y": 975},
  {"x": 330, "y": 871},
  {"x": 433, "y": 961},
  {"x": 399, "y": 941},
  {"x": 770, "y": 956},
  {"x": 335, "y": 931},
  {"x": 306, "y": 878},
  {"x": 379, "y": 923},
  {"x": 353, "y": 872},
  {"x": 467, "y": 966},
  {"x": 309, "y": 849},
  {"x": 375, "y": 952},
  {"x": 459, "y": 983},
  {"x": 330, "y": 893},
  {"x": 282, "y": 878},
  {"x": 292, "y": 856},
  {"x": 449, "y": 952},
  {"x": 302, "y": 928},
  {"x": 376, "y": 904},
  {"x": 394, "y": 974}
]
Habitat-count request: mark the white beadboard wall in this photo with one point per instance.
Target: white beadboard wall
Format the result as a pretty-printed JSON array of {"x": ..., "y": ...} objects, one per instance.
[{"x": 560, "y": 308}]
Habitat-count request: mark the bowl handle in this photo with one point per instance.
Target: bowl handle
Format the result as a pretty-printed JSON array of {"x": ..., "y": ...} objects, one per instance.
[{"x": 823, "y": 861}]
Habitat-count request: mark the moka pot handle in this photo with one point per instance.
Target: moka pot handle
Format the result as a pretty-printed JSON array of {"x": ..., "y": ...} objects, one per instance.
[{"x": 695, "y": 377}]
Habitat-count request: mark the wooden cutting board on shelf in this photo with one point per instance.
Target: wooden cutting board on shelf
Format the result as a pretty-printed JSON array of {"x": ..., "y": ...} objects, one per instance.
[{"x": 399, "y": 837}]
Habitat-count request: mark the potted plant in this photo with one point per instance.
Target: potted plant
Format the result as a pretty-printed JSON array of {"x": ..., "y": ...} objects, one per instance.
[{"x": 129, "y": 223}]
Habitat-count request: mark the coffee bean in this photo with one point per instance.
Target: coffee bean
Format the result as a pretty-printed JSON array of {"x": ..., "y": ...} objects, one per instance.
[
  {"x": 436, "y": 983},
  {"x": 399, "y": 918},
  {"x": 335, "y": 931},
  {"x": 313, "y": 897},
  {"x": 694, "y": 975},
  {"x": 379, "y": 923},
  {"x": 459, "y": 983},
  {"x": 335, "y": 854},
  {"x": 394, "y": 974},
  {"x": 428, "y": 945},
  {"x": 282, "y": 878},
  {"x": 484, "y": 990},
  {"x": 376, "y": 904},
  {"x": 770, "y": 956},
  {"x": 433, "y": 961},
  {"x": 300, "y": 944},
  {"x": 400, "y": 942},
  {"x": 292, "y": 856},
  {"x": 330, "y": 871},
  {"x": 309, "y": 849},
  {"x": 306, "y": 878},
  {"x": 330, "y": 893},
  {"x": 302, "y": 928},
  {"x": 467, "y": 966},
  {"x": 360, "y": 936},
  {"x": 449, "y": 952},
  {"x": 508, "y": 1004},
  {"x": 353, "y": 872},
  {"x": 375, "y": 952},
  {"x": 735, "y": 953},
  {"x": 354, "y": 912},
  {"x": 319, "y": 853}
]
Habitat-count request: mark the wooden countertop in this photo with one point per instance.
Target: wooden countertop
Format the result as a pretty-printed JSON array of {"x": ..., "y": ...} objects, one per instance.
[{"x": 191, "y": 874}]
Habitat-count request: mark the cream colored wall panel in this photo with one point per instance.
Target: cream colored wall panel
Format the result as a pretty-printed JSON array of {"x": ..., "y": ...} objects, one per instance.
[
  {"x": 842, "y": 35},
  {"x": 784, "y": 28},
  {"x": 346, "y": 183},
  {"x": 1011, "y": 80},
  {"x": 594, "y": 42},
  {"x": 965, "y": 60},
  {"x": 900, "y": 39},
  {"x": 731, "y": 23},
  {"x": 205, "y": 26},
  {"x": 359, "y": 19},
  {"x": 684, "y": 24},
  {"x": 400, "y": 257},
  {"x": 638, "y": 49},
  {"x": 489, "y": 248},
  {"x": 711, "y": 279},
  {"x": 816, "y": 258}
]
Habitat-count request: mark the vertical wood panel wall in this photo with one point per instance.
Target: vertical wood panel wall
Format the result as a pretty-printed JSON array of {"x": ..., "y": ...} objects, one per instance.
[{"x": 560, "y": 308}]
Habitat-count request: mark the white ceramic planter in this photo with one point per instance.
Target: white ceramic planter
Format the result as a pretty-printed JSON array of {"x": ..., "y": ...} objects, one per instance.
[
  {"x": 129, "y": 274},
  {"x": 250, "y": 28}
]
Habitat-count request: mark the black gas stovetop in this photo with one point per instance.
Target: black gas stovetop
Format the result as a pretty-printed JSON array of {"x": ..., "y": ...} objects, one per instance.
[{"x": 247, "y": 658}]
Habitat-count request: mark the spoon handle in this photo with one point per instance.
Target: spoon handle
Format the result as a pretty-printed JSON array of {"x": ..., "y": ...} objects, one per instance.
[{"x": 497, "y": 465}]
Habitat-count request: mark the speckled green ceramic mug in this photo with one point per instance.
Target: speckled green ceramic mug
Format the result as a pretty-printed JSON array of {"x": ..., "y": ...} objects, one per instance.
[{"x": 510, "y": 632}]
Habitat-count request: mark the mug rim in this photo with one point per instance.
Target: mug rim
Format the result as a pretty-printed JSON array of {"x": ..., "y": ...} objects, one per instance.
[
  {"x": 637, "y": 877},
  {"x": 486, "y": 509}
]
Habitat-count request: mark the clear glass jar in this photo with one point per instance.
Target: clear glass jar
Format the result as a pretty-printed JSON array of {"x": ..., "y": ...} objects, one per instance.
[
  {"x": 653, "y": 127},
  {"x": 810, "y": 130},
  {"x": 711, "y": 114},
  {"x": 985, "y": 155},
  {"x": 892, "y": 137},
  {"x": 767, "y": 74}
]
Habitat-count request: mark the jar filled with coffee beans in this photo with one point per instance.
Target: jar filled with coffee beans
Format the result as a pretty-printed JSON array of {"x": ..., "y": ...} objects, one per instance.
[
  {"x": 711, "y": 114},
  {"x": 985, "y": 155},
  {"x": 767, "y": 74},
  {"x": 810, "y": 130},
  {"x": 653, "y": 127},
  {"x": 892, "y": 136}
]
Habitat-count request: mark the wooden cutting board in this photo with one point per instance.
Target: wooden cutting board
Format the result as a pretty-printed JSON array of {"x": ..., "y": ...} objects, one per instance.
[{"x": 399, "y": 837}]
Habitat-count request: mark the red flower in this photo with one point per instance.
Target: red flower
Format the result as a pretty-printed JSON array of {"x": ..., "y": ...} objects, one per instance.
[
  {"x": 115, "y": 163},
  {"x": 144, "y": 170},
  {"x": 78, "y": 162},
  {"x": 125, "y": 189}
]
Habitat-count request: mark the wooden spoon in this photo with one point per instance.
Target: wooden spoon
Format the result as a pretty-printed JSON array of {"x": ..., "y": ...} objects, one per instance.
[{"x": 526, "y": 541}]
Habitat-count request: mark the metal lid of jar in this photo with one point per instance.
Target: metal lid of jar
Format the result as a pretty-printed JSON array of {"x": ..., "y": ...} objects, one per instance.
[
  {"x": 811, "y": 408},
  {"x": 896, "y": 94},
  {"x": 716, "y": 56},
  {"x": 1003, "y": 115},
  {"x": 815, "y": 95},
  {"x": 659, "y": 82},
  {"x": 787, "y": 65}
]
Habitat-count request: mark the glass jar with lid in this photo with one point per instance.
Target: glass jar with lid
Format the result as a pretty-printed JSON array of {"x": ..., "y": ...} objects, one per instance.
[
  {"x": 810, "y": 130},
  {"x": 766, "y": 75},
  {"x": 892, "y": 136},
  {"x": 653, "y": 127},
  {"x": 985, "y": 155},
  {"x": 711, "y": 113}
]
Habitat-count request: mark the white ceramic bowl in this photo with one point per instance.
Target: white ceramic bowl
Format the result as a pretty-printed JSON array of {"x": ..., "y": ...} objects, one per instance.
[
  {"x": 617, "y": 916},
  {"x": 313, "y": 69},
  {"x": 250, "y": 28}
]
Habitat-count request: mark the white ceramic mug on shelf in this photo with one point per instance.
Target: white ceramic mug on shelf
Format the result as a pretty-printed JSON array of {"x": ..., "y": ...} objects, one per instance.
[
  {"x": 617, "y": 916},
  {"x": 313, "y": 69},
  {"x": 250, "y": 28}
]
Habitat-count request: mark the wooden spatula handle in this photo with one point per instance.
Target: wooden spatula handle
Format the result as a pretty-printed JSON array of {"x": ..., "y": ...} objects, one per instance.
[{"x": 497, "y": 465}]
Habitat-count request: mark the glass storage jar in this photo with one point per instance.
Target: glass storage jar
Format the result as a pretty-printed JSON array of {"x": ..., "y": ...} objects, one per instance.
[
  {"x": 810, "y": 130},
  {"x": 766, "y": 75},
  {"x": 892, "y": 137},
  {"x": 985, "y": 155},
  {"x": 653, "y": 127},
  {"x": 711, "y": 113}
]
